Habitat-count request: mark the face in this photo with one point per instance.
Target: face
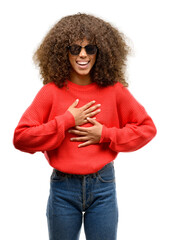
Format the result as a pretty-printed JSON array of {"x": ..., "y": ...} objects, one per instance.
[{"x": 82, "y": 63}]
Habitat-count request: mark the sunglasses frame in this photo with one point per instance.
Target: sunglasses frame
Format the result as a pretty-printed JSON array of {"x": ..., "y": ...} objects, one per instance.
[{"x": 80, "y": 47}]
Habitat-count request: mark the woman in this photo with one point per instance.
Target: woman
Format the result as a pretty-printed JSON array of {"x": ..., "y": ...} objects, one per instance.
[{"x": 81, "y": 118}]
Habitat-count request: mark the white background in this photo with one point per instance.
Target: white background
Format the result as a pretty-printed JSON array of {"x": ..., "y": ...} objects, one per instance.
[{"x": 143, "y": 176}]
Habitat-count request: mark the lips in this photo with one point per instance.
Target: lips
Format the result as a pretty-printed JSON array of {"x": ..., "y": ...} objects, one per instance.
[{"x": 82, "y": 63}]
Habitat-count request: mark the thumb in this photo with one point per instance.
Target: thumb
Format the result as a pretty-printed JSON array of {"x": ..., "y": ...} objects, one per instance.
[
  {"x": 92, "y": 120},
  {"x": 75, "y": 103}
]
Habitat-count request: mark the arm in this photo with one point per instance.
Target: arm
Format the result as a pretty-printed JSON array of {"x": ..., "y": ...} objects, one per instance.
[
  {"x": 136, "y": 126},
  {"x": 35, "y": 133}
]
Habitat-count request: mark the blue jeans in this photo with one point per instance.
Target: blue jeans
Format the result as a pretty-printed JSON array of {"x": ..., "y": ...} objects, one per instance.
[{"x": 74, "y": 198}]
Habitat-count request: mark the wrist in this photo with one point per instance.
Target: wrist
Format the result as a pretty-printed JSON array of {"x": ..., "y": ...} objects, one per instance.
[
  {"x": 68, "y": 119},
  {"x": 105, "y": 135}
]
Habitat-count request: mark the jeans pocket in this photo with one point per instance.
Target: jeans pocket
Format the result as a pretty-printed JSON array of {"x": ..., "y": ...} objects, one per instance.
[
  {"x": 57, "y": 176},
  {"x": 107, "y": 174}
]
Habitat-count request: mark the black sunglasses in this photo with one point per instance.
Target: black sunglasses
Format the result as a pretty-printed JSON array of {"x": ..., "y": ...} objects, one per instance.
[{"x": 76, "y": 49}]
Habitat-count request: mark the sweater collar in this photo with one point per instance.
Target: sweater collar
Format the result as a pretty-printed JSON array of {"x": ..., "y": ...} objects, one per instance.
[{"x": 70, "y": 84}]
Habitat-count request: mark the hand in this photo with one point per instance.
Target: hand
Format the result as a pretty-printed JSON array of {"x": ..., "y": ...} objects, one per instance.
[
  {"x": 81, "y": 114},
  {"x": 88, "y": 135}
]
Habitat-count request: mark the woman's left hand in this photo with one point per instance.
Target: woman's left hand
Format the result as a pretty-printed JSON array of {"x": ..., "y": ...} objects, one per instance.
[{"x": 87, "y": 135}]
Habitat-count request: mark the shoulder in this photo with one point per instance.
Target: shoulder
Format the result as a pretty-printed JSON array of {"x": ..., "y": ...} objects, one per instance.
[
  {"x": 48, "y": 89},
  {"x": 118, "y": 88},
  {"x": 46, "y": 93},
  {"x": 122, "y": 93}
]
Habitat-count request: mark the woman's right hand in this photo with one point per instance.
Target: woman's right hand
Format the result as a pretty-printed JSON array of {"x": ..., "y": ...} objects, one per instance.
[{"x": 80, "y": 114}]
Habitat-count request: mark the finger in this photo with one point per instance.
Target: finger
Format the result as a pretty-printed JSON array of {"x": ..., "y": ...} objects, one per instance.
[
  {"x": 85, "y": 121},
  {"x": 93, "y": 113},
  {"x": 75, "y": 103},
  {"x": 79, "y": 139},
  {"x": 91, "y": 109},
  {"x": 92, "y": 120},
  {"x": 77, "y": 132},
  {"x": 88, "y": 105},
  {"x": 85, "y": 144},
  {"x": 84, "y": 129}
]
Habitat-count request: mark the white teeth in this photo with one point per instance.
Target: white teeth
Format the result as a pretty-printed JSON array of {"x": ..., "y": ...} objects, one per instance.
[{"x": 82, "y": 63}]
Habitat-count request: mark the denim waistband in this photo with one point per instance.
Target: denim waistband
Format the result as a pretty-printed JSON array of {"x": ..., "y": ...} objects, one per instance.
[{"x": 87, "y": 175}]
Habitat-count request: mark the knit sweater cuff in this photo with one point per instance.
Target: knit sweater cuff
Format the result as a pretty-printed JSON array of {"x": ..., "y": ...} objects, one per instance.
[
  {"x": 67, "y": 119},
  {"x": 105, "y": 137}
]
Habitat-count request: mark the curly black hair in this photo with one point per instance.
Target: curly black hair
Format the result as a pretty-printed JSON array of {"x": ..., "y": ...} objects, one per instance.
[{"x": 52, "y": 54}]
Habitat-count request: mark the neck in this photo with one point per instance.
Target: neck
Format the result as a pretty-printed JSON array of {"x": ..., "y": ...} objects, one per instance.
[{"x": 80, "y": 80}]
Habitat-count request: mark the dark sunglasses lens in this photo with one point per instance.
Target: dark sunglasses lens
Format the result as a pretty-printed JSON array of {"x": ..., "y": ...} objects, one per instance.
[
  {"x": 75, "y": 49},
  {"x": 91, "y": 49}
]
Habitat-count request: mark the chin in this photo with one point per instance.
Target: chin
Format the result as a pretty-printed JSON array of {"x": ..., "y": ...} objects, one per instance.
[{"x": 83, "y": 72}]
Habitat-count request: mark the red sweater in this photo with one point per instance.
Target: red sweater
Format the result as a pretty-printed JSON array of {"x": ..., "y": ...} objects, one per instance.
[{"x": 44, "y": 126}]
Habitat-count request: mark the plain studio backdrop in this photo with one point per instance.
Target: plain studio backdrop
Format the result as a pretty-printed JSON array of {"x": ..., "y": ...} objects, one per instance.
[{"x": 142, "y": 177}]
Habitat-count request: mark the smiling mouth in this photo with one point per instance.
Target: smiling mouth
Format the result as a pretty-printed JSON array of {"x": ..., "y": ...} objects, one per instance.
[{"x": 83, "y": 64}]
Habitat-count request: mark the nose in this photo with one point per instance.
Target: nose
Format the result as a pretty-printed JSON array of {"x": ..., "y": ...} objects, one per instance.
[{"x": 83, "y": 52}]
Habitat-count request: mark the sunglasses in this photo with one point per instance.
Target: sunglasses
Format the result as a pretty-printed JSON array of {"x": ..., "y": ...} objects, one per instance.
[{"x": 76, "y": 49}]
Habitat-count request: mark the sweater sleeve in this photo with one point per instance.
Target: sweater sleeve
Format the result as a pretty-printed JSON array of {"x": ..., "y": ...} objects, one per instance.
[
  {"x": 34, "y": 132},
  {"x": 136, "y": 126}
]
